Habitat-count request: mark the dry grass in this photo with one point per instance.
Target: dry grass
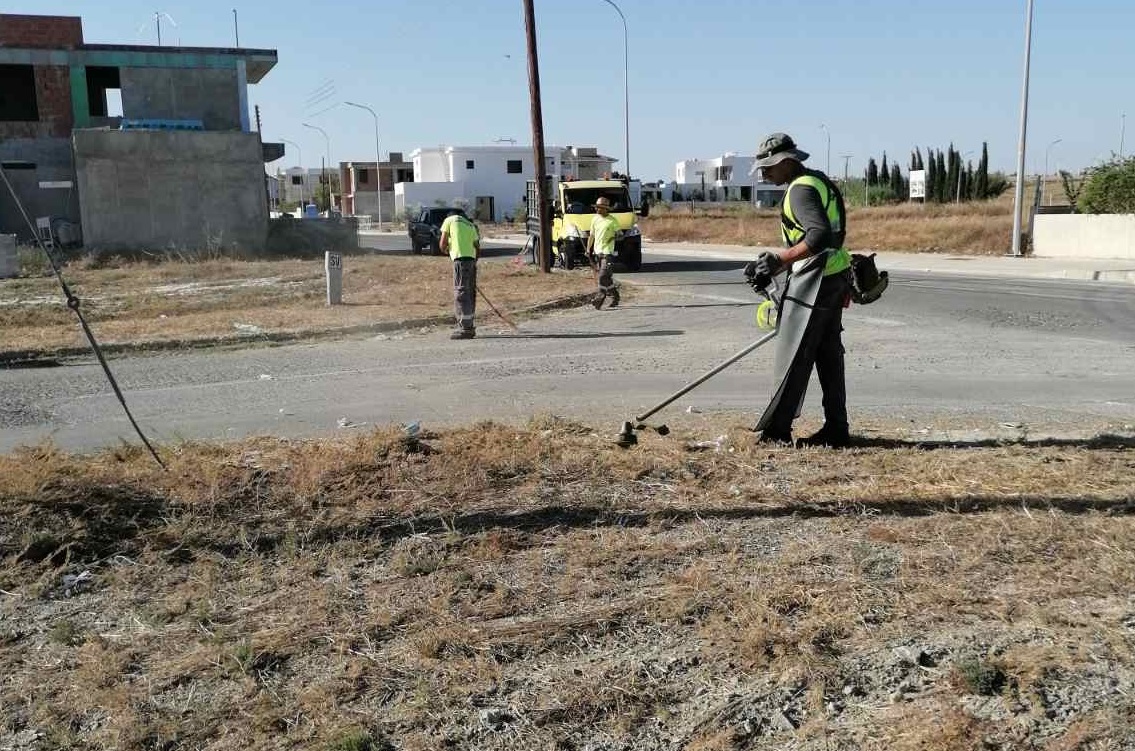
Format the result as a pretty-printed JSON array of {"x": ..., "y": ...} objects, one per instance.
[
  {"x": 534, "y": 588},
  {"x": 179, "y": 301},
  {"x": 979, "y": 229}
]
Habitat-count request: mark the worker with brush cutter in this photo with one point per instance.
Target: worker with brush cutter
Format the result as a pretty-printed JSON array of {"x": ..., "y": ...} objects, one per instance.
[
  {"x": 460, "y": 238},
  {"x": 818, "y": 288}
]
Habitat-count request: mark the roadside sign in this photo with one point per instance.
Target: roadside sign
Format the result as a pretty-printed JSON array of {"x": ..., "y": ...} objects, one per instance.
[{"x": 918, "y": 183}]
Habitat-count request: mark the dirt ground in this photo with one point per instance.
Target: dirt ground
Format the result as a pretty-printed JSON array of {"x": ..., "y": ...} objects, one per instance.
[
  {"x": 535, "y": 587},
  {"x": 232, "y": 301}
]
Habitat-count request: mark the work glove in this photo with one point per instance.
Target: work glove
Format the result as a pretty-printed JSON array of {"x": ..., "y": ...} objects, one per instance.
[
  {"x": 755, "y": 279},
  {"x": 768, "y": 264}
]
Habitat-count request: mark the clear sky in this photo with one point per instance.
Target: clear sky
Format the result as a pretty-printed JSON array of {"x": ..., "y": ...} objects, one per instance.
[{"x": 706, "y": 76}]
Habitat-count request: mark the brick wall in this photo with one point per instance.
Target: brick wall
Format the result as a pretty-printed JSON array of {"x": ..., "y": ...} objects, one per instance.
[
  {"x": 53, "y": 94},
  {"x": 56, "y": 32},
  {"x": 53, "y": 98}
]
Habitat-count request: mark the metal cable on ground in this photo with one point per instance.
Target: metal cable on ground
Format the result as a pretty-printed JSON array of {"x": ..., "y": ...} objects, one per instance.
[{"x": 73, "y": 304}]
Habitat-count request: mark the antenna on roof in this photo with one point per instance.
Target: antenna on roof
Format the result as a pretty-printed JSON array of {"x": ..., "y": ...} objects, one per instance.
[{"x": 158, "y": 14}]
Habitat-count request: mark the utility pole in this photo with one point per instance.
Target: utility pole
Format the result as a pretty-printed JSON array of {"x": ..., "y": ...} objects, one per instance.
[
  {"x": 846, "y": 159},
  {"x": 626, "y": 93},
  {"x": 537, "y": 114},
  {"x": 1019, "y": 192},
  {"x": 828, "y": 133},
  {"x": 1122, "y": 127},
  {"x": 236, "y": 28}
]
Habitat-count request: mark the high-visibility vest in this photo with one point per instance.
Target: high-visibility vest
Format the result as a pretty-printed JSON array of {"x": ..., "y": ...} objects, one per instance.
[
  {"x": 462, "y": 236},
  {"x": 838, "y": 258}
]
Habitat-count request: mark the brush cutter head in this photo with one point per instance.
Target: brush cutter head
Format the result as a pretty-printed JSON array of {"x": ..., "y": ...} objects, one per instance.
[{"x": 626, "y": 437}]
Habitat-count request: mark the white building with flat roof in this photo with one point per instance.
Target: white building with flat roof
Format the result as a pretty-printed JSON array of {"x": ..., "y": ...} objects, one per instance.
[
  {"x": 724, "y": 178},
  {"x": 489, "y": 181}
]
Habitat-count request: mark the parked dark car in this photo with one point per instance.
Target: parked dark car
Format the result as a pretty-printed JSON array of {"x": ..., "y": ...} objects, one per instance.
[{"x": 425, "y": 229}]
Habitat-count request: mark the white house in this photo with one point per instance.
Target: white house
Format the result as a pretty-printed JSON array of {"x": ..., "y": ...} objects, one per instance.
[
  {"x": 489, "y": 180},
  {"x": 724, "y": 178}
]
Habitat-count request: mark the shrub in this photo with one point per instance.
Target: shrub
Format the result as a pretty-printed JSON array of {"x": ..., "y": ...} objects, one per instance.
[{"x": 1110, "y": 188}]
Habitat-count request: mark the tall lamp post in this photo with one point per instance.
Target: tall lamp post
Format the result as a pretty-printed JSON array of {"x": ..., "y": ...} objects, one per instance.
[
  {"x": 303, "y": 177},
  {"x": 1044, "y": 186},
  {"x": 377, "y": 157},
  {"x": 626, "y": 93},
  {"x": 326, "y": 182},
  {"x": 1019, "y": 192},
  {"x": 828, "y": 168},
  {"x": 961, "y": 171}
]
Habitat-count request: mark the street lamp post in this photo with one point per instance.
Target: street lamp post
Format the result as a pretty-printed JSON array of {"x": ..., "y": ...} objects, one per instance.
[
  {"x": 626, "y": 92},
  {"x": 326, "y": 181},
  {"x": 377, "y": 157},
  {"x": 828, "y": 168},
  {"x": 961, "y": 171},
  {"x": 303, "y": 176},
  {"x": 1044, "y": 185},
  {"x": 1019, "y": 192}
]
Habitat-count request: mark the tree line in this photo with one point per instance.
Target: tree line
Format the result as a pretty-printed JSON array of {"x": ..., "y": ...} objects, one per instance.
[{"x": 947, "y": 178}]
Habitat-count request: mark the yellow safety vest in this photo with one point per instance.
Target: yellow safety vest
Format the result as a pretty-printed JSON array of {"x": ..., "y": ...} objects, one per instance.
[
  {"x": 462, "y": 236},
  {"x": 838, "y": 258}
]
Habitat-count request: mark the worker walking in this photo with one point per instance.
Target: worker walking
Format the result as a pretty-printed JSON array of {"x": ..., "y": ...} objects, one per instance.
[
  {"x": 460, "y": 238},
  {"x": 601, "y": 249},
  {"x": 813, "y": 227}
]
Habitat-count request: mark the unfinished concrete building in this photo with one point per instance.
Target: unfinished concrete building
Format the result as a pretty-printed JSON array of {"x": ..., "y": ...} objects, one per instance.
[{"x": 179, "y": 167}]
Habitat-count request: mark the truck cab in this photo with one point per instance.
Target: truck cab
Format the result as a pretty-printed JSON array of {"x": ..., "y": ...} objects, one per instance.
[{"x": 573, "y": 210}]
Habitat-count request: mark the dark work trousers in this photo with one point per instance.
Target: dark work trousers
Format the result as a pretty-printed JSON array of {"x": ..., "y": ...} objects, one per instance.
[
  {"x": 822, "y": 347},
  {"x": 606, "y": 278},
  {"x": 464, "y": 291}
]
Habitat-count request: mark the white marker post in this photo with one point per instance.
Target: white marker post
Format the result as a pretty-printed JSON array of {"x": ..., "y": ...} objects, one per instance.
[{"x": 333, "y": 265}]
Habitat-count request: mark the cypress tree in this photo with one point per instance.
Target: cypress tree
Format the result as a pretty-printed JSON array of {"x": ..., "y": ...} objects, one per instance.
[
  {"x": 872, "y": 172},
  {"x": 953, "y": 170},
  {"x": 884, "y": 170},
  {"x": 940, "y": 175},
  {"x": 897, "y": 186},
  {"x": 931, "y": 177},
  {"x": 981, "y": 181}
]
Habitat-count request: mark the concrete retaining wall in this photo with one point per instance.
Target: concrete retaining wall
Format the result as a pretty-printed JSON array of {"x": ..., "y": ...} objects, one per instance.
[
  {"x": 1109, "y": 236},
  {"x": 309, "y": 238},
  {"x": 171, "y": 190}
]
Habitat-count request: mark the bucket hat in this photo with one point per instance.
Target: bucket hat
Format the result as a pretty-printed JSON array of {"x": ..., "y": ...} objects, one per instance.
[{"x": 774, "y": 149}]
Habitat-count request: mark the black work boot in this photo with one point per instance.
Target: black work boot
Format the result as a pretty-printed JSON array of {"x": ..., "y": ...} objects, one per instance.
[
  {"x": 614, "y": 300},
  {"x": 598, "y": 301},
  {"x": 776, "y": 437},
  {"x": 463, "y": 334},
  {"x": 828, "y": 437}
]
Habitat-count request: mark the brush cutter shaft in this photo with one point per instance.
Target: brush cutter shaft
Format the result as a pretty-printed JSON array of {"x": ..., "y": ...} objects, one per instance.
[
  {"x": 694, "y": 384},
  {"x": 500, "y": 315}
]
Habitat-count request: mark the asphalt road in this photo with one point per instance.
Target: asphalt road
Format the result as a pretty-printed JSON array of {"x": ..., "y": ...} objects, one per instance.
[{"x": 936, "y": 351}]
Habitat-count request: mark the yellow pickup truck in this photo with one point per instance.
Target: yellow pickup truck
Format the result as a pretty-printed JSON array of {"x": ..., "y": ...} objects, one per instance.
[{"x": 573, "y": 208}]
